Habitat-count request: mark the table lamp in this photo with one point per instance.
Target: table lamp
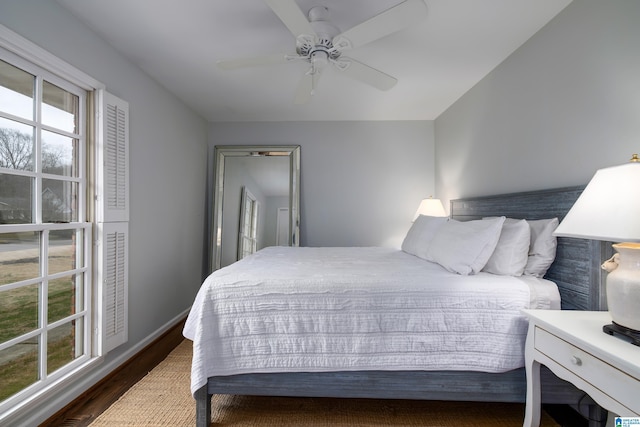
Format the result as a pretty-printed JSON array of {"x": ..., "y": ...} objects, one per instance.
[
  {"x": 430, "y": 207},
  {"x": 609, "y": 209}
]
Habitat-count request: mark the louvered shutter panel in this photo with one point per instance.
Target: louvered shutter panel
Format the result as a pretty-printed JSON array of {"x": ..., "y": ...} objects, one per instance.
[
  {"x": 112, "y": 213},
  {"x": 113, "y": 255},
  {"x": 113, "y": 160}
]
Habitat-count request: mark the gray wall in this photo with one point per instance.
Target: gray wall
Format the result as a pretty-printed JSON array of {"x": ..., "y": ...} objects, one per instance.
[
  {"x": 270, "y": 230},
  {"x": 361, "y": 182},
  {"x": 563, "y": 105},
  {"x": 168, "y": 139}
]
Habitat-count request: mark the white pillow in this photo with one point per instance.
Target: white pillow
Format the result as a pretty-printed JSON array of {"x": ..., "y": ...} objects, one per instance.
[
  {"x": 542, "y": 250},
  {"x": 419, "y": 236},
  {"x": 512, "y": 251},
  {"x": 464, "y": 247}
]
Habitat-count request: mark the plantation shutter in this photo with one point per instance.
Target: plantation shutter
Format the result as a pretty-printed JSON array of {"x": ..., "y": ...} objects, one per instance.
[
  {"x": 112, "y": 213},
  {"x": 113, "y": 255},
  {"x": 114, "y": 160}
]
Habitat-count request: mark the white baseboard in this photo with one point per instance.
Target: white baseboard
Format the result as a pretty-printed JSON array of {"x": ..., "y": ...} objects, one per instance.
[{"x": 49, "y": 401}]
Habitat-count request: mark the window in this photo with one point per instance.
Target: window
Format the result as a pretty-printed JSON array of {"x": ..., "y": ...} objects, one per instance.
[
  {"x": 45, "y": 276},
  {"x": 64, "y": 207},
  {"x": 247, "y": 242}
]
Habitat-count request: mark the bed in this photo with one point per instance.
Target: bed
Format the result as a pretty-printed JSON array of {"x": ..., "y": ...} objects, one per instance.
[{"x": 255, "y": 357}]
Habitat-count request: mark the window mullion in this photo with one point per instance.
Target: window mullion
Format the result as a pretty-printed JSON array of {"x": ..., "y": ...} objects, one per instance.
[
  {"x": 44, "y": 306},
  {"x": 82, "y": 162},
  {"x": 37, "y": 190},
  {"x": 22, "y": 120}
]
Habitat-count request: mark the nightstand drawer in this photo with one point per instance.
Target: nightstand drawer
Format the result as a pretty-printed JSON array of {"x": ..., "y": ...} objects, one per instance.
[{"x": 588, "y": 367}]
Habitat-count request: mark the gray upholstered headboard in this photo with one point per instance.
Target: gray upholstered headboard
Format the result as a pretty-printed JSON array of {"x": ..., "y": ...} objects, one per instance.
[{"x": 576, "y": 269}]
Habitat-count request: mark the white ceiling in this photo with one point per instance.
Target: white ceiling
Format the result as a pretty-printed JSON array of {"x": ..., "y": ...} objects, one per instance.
[{"x": 435, "y": 62}]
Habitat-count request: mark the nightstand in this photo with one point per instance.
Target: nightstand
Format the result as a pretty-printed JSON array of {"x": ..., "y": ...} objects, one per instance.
[{"x": 574, "y": 347}]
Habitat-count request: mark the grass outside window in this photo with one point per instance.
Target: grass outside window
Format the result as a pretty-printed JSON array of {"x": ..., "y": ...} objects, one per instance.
[{"x": 19, "y": 314}]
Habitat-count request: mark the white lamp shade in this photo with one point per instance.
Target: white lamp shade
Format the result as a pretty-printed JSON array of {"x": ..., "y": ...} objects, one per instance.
[
  {"x": 430, "y": 207},
  {"x": 608, "y": 208}
]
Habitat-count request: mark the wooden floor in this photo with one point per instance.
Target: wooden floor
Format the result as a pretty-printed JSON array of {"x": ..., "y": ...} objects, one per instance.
[
  {"x": 83, "y": 410},
  {"x": 86, "y": 408}
]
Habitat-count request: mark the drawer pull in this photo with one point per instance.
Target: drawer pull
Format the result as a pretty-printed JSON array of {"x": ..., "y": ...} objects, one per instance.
[{"x": 576, "y": 360}]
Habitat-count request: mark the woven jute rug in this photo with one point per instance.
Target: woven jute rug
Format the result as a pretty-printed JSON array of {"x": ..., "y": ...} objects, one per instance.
[{"x": 162, "y": 398}]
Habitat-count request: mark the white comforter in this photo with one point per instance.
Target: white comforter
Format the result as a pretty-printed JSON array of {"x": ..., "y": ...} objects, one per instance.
[{"x": 344, "y": 309}]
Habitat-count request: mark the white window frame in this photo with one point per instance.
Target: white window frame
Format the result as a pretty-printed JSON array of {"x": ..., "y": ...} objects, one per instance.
[
  {"x": 30, "y": 398},
  {"x": 248, "y": 230}
]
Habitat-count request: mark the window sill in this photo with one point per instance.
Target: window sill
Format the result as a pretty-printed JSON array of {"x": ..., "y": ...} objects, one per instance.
[{"x": 19, "y": 406}]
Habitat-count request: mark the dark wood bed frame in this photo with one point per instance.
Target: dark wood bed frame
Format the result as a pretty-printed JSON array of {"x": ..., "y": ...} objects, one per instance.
[{"x": 576, "y": 270}]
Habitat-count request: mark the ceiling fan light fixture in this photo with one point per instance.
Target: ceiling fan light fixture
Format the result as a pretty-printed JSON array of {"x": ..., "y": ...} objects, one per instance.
[{"x": 319, "y": 59}]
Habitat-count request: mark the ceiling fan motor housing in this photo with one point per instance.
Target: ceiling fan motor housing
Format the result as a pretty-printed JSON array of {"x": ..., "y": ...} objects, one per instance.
[{"x": 309, "y": 46}]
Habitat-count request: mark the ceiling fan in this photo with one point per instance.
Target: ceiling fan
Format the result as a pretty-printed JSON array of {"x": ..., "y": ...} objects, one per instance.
[{"x": 320, "y": 43}]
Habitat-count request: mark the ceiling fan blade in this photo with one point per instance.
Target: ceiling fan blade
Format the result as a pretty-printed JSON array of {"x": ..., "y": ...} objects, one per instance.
[
  {"x": 291, "y": 15},
  {"x": 364, "y": 73},
  {"x": 405, "y": 14},
  {"x": 231, "y": 64}
]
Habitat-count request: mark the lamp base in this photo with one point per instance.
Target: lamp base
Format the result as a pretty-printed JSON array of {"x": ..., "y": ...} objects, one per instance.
[
  {"x": 623, "y": 286},
  {"x": 614, "y": 328}
]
